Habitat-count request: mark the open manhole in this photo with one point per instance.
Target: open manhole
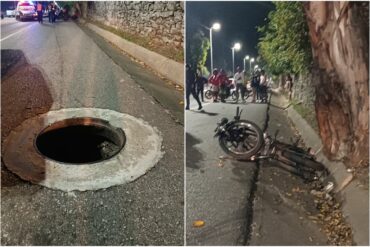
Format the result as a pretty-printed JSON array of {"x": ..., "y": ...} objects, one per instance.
[
  {"x": 82, "y": 149},
  {"x": 80, "y": 140}
]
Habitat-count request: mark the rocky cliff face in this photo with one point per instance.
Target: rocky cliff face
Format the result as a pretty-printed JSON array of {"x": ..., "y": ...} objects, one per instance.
[
  {"x": 162, "y": 22},
  {"x": 339, "y": 33}
]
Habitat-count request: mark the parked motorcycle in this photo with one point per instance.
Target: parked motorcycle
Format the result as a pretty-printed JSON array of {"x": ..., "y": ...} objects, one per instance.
[{"x": 229, "y": 93}]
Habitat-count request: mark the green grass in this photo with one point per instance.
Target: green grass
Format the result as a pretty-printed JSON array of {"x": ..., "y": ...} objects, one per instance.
[{"x": 146, "y": 42}]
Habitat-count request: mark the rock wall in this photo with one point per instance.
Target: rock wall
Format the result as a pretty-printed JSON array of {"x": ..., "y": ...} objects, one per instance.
[
  {"x": 162, "y": 22},
  {"x": 304, "y": 90},
  {"x": 339, "y": 33}
]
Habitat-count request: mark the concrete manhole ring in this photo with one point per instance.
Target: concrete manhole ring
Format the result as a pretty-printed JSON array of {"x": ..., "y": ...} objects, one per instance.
[{"x": 140, "y": 151}]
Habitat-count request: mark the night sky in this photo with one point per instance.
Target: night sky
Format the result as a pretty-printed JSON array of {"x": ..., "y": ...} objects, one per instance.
[{"x": 238, "y": 24}]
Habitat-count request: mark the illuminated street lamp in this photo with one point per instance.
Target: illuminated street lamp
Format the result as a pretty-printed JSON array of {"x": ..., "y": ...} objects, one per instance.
[
  {"x": 216, "y": 26},
  {"x": 250, "y": 65},
  {"x": 246, "y": 58},
  {"x": 236, "y": 47}
]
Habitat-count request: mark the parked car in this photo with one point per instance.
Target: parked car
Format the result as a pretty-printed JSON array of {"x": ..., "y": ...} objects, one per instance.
[{"x": 25, "y": 10}]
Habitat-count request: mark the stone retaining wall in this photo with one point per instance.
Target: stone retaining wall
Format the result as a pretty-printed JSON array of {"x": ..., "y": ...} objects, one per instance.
[{"x": 162, "y": 22}]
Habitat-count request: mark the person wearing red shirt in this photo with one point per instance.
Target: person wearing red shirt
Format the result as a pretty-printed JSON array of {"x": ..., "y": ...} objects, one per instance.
[
  {"x": 224, "y": 84},
  {"x": 214, "y": 80}
]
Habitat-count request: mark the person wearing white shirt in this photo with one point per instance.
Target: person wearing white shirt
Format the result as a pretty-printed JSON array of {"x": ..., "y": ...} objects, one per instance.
[{"x": 239, "y": 82}]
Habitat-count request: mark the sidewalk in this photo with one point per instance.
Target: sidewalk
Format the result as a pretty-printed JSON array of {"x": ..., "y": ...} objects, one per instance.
[
  {"x": 170, "y": 69},
  {"x": 354, "y": 197}
]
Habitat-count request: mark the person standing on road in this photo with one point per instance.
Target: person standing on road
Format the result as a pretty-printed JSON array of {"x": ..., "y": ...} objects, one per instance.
[
  {"x": 263, "y": 87},
  {"x": 255, "y": 85},
  {"x": 190, "y": 87},
  {"x": 224, "y": 85},
  {"x": 213, "y": 80},
  {"x": 52, "y": 13},
  {"x": 39, "y": 12},
  {"x": 200, "y": 81},
  {"x": 239, "y": 82}
]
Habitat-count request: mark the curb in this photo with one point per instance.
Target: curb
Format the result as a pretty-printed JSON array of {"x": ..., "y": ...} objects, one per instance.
[
  {"x": 355, "y": 204},
  {"x": 169, "y": 68}
]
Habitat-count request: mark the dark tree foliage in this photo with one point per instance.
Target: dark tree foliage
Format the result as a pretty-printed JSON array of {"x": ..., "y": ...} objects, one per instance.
[
  {"x": 285, "y": 45},
  {"x": 198, "y": 50}
]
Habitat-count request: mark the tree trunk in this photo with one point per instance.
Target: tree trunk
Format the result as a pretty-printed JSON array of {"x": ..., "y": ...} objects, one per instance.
[{"x": 339, "y": 33}]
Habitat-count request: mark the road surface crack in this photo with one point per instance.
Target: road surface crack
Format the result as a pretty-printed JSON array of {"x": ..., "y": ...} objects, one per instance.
[{"x": 252, "y": 195}]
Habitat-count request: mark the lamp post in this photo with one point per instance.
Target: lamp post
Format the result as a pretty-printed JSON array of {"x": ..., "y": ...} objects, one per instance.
[
  {"x": 236, "y": 47},
  {"x": 246, "y": 58},
  {"x": 216, "y": 26},
  {"x": 250, "y": 65}
]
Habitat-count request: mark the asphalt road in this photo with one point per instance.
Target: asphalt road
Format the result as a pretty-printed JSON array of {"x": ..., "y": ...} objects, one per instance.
[
  {"x": 244, "y": 203},
  {"x": 63, "y": 68},
  {"x": 217, "y": 194}
]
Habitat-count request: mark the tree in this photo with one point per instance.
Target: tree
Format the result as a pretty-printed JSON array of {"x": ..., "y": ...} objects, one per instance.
[
  {"x": 339, "y": 33},
  {"x": 284, "y": 44},
  {"x": 197, "y": 51}
]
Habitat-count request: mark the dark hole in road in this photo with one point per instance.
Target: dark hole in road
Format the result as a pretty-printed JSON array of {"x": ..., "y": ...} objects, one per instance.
[{"x": 80, "y": 140}]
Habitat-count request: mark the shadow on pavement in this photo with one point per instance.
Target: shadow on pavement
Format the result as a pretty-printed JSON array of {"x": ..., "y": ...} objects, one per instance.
[
  {"x": 193, "y": 156},
  {"x": 24, "y": 94},
  {"x": 205, "y": 112}
]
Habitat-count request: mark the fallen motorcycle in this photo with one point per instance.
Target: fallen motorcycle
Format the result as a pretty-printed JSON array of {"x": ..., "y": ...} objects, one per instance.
[{"x": 244, "y": 140}]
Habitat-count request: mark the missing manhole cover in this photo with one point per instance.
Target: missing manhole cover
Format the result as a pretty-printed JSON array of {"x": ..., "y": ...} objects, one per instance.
[
  {"x": 80, "y": 140},
  {"x": 64, "y": 149}
]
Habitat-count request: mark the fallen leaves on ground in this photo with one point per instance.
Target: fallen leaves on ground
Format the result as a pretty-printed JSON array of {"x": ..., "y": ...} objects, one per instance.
[{"x": 198, "y": 223}]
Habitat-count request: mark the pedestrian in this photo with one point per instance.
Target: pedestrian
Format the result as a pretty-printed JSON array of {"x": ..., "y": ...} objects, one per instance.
[
  {"x": 200, "y": 81},
  {"x": 225, "y": 85},
  {"x": 239, "y": 83},
  {"x": 215, "y": 85},
  {"x": 52, "y": 13},
  {"x": 289, "y": 86},
  {"x": 263, "y": 87},
  {"x": 49, "y": 12},
  {"x": 190, "y": 87},
  {"x": 255, "y": 85},
  {"x": 39, "y": 12}
]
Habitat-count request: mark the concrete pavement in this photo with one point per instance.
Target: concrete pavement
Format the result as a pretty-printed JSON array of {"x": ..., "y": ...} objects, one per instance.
[{"x": 77, "y": 73}]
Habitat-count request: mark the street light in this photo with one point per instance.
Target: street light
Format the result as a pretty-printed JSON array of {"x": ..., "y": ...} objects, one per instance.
[
  {"x": 216, "y": 26},
  {"x": 236, "y": 47},
  {"x": 256, "y": 66},
  {"x": 250, "y": 65},
  {"x": 246, "y": 58}
]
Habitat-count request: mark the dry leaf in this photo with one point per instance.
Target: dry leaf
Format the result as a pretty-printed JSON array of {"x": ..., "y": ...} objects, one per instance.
[{"x": 198, "y": 223}]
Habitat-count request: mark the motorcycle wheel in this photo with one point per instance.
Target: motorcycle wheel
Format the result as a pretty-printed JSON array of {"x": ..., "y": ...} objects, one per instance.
[
  {"x": 208, "y": 94},
  {"x": 302, "y": 161},
  {"x": 252, "y": 140}
]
